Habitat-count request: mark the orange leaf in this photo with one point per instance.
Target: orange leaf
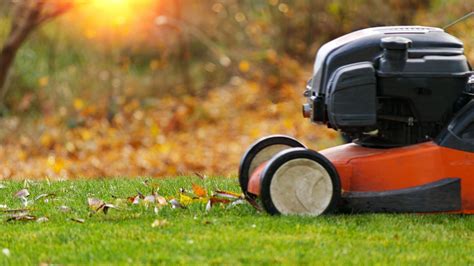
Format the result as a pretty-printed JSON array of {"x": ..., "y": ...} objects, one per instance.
[{"x": 199, "y": 191}]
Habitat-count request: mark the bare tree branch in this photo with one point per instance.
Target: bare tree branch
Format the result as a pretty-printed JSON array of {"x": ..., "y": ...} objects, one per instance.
[{"x": 28, "y": 15}]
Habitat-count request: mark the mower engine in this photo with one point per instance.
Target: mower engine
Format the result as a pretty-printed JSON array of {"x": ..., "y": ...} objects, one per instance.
[
  {"x": 388, "y": 86},
  {"x": 406, "y": 96}
]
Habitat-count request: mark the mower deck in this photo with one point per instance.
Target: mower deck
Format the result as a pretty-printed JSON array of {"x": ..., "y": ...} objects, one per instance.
[{"x": 419, "y": 178}]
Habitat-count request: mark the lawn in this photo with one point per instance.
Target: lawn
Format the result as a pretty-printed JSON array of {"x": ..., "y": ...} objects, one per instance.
[{"x": 225, "y": 234}]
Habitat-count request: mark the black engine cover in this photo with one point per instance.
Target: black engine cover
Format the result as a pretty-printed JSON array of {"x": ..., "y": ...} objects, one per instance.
[{"x": 388, "y": 86}]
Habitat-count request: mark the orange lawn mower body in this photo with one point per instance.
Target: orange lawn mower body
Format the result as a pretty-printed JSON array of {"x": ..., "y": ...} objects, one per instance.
[
  {"x": 420, "y": 178},
  {"x": 404, "y": 97}
]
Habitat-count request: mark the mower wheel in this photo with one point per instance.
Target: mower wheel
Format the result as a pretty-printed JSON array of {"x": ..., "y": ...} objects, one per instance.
[
  {"x": 261, "y": 151},
  {"x": 300, "y": 181}
]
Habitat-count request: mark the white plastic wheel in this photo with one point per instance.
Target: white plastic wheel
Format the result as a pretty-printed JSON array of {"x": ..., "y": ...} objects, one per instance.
[
  {"x": 301, "y": 186},
  {"x": 266, "y": 154}
]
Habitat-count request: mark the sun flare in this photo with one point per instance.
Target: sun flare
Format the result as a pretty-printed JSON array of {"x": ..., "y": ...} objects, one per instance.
[{"x": 97, "y": 17}]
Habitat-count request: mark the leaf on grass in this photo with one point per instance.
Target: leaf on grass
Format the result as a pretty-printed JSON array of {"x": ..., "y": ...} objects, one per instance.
[
  {"x": 23, "y": 193},
  {"x": 64, "y": 208},
  {"x": 2, "y": 186},
  {"x": 176, "y": 205},
  {"x": 159, "y": 223},
  {"x": 78, "y": 220},
  {"x": 134, "y": 199},
  {"x": 215, "y": 200},
  {"x": 42, "y": 220},
  {"x": 21, "y": 216},
  {"x": 253, "y": 203},
  {"x": 149, "y": 199},
  {"x": 47, "y": 195},
  {"x": 108, "y": 206},
  {"x": 199, "y": 191},
  {"x": 14, "y": 210},
  {"x": 161, "y": 200},
  {"x": 227, "y": 194},
  {"x": 154, "y": 199},
  {"x": 200, "y": 175},
  {"x": 95, "y": 204},
  {"x": 185, "y": 199},
  {"x": 237, "y": 202}
]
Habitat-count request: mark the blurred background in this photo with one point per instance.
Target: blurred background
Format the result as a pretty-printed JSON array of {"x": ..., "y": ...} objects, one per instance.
[{"x": 106, "y": 88}]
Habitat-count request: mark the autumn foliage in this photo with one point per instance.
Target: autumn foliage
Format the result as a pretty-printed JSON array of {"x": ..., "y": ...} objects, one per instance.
[
  {"x": 166, "y": 88},
  {"x": 166, "y": 137}
]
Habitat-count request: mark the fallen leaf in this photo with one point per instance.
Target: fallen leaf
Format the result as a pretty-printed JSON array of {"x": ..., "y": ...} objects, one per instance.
[
  {"x": 215, "y": 200},
  {"x": 14, "y": 210},
  {"x": 199, "y": 191},
  {"x": 161, "y": 200},
  {"x": 200, "y": 175},
  {"x": 227, "y": 194},
  {"x": 78, "y": 220},
  {"x": 44, "y": 196},
  {"x": 2, "y": 186},
  {"x": 21, "y": 216},
  {"x": 42, "y": 220},
  {"x": 254, "y": 204},
  {"x": 95, "y": 204},
  {"x": 23, "y": 193},
  {"x": 176, "y": 205},
  {"x": 237, "y": 202},
  {"x": 149, "y": 199},
  {"x": 159, "y": 223},
  {"x": 64, "y": 208},
  {"x": 134, "y": 199},
  {"x": 185, "y": 200},
  {"x": 107, "y": 206}
]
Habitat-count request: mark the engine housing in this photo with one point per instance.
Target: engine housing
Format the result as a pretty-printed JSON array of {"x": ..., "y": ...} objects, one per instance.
[{"x": 389, "y": 86}]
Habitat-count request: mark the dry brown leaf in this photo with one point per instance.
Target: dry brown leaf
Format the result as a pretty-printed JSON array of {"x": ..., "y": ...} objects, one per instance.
[
  {"x": 253, "y": 203},
  {"x": 95, "y": 204},
  {"x": 227, "y": 194},
  {"x": 161, "y": 200},
  {"x": 134, "y": 199},
  {"x": 21, "y": 216},
  {"x": 107, "y": 206},
  {"x": 201, "y": 176}
]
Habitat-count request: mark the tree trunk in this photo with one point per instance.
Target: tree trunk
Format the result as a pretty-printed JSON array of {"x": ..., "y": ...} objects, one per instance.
[
  {"x": 28, "y": 15},
  {"x": 184, "y": 50},
  {"x": 24, "y": 22},
  {"x": 7, "y": 56}
]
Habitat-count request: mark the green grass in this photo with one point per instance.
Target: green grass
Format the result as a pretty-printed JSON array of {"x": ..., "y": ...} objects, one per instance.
[{"x": 237, "y": 235}]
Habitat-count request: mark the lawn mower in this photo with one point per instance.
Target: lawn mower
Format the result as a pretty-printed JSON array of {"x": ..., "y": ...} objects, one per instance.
[{"x": 405, "y": 97}]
